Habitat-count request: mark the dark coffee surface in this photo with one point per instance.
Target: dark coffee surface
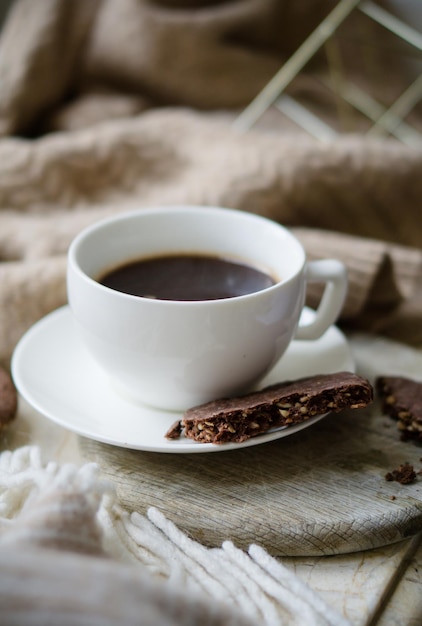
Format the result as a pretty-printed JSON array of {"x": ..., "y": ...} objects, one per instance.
[{"x": 186, "y": 277}]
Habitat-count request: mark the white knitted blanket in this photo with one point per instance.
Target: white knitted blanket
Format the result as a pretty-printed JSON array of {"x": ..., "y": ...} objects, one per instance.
[{"x": 129, "y": 569}]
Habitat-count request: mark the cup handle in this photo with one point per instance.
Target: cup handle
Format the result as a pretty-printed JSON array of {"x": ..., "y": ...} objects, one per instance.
[{"x": 334, "y": 274}]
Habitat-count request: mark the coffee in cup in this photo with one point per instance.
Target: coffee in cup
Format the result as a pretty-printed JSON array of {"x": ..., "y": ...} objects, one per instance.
[{"x": 186, "y": 277}]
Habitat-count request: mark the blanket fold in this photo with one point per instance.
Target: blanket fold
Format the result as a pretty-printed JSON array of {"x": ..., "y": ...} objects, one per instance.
[{"x": 197, "y": 53}]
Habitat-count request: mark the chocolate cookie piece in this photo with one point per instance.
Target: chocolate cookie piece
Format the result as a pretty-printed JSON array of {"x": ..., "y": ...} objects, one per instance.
[
  {"x": 402, "y": 400},
  {"x": 8, "y": 399},
  {"x": 284, "y": 404}
]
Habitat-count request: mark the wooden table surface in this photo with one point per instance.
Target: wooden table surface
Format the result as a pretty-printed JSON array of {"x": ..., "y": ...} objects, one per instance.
[{"x": 379, "y": 586}]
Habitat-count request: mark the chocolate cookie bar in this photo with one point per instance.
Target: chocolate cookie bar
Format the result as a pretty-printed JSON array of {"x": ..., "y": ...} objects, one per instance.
[
  {"x": 8, "y": 398},
  {"x": 402, "y": 399},
  {"x": 284, "y": 404}
]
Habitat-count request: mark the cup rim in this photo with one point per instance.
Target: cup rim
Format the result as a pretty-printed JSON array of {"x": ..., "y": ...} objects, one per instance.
[{"x": 73, "y": 263}]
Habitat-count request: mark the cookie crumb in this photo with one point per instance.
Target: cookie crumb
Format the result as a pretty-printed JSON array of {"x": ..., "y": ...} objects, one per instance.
[
  {"x": 174, "y": 431},
  {"x": 403, "y": 474}
]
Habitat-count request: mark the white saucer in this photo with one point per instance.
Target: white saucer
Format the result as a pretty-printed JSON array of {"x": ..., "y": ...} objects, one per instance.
[{"x": 57, "y": 376}]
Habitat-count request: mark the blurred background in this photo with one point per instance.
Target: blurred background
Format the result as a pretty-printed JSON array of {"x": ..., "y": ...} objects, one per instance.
[
  {"x": 358, "y": 71},
  {"x": 320, "y": 67}
]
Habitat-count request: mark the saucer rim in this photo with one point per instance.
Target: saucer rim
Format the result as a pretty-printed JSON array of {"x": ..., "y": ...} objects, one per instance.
[{"x": 167, "y": 446}]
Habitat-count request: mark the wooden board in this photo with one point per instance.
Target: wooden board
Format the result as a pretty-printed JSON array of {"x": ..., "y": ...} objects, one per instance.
[{"x": 321, "y": 491}]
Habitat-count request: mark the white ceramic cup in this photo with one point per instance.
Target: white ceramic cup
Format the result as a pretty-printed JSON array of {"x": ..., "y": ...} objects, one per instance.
[{"x": 177, "y": 354}]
